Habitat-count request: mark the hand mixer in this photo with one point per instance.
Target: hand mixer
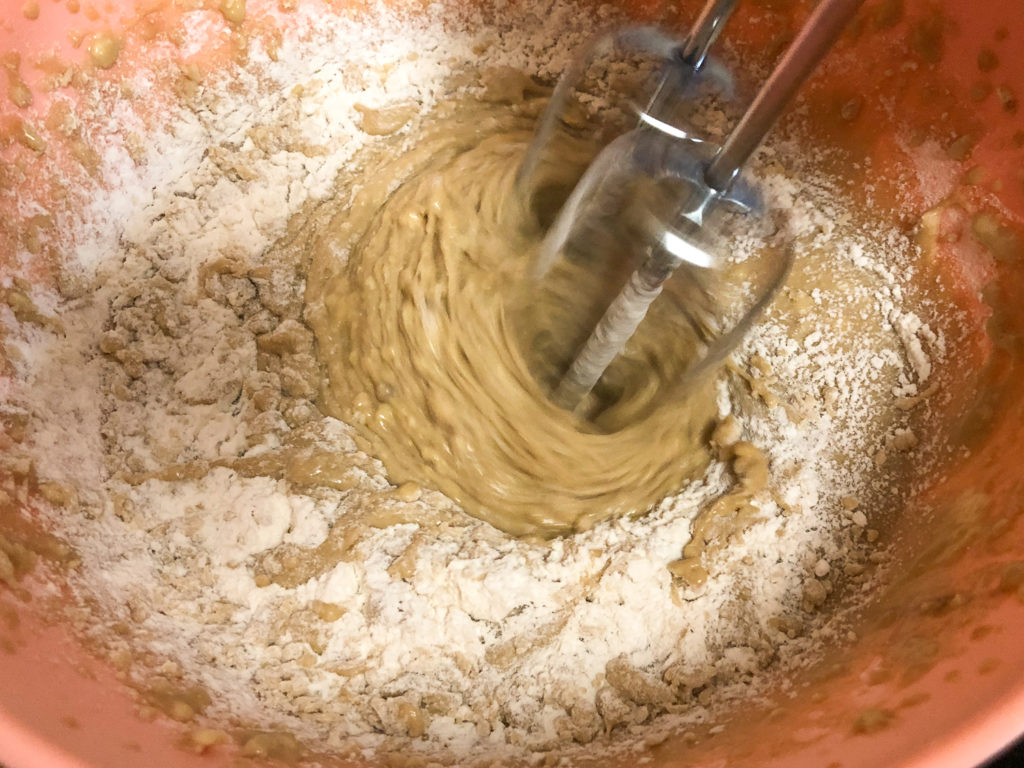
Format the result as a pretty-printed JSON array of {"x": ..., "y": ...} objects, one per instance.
[{"x": 696, "y": 181}]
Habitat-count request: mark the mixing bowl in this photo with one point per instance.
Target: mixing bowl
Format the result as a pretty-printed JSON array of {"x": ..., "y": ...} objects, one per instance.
[{"x": 935, "y": 673}]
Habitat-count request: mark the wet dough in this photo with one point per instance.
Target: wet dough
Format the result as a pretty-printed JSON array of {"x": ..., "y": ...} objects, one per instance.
[{"x": 418, "y": 297}]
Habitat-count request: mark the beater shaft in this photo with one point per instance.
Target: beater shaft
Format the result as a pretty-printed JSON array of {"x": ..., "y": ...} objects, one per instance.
[{"x": 627, "y": 310}]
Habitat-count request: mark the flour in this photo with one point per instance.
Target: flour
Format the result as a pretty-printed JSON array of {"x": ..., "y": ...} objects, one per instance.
[{"x": 359, "y": 618}]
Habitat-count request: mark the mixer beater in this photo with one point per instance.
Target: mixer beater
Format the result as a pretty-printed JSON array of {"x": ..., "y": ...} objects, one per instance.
[{"x": 658, "y": 197}]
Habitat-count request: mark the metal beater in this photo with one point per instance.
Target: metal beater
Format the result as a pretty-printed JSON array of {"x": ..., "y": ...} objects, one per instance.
[{"x": 700, "y": 178}]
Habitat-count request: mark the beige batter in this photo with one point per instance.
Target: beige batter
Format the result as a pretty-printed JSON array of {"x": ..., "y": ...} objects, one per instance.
[{"x": 429, "y": 327}]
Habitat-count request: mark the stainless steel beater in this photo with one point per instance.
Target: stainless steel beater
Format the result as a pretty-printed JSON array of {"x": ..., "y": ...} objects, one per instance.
[{"x": 702, "y": 180}]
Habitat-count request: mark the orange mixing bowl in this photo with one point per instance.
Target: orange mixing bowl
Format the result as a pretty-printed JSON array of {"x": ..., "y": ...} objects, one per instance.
[{"x": 936, "y": 675}]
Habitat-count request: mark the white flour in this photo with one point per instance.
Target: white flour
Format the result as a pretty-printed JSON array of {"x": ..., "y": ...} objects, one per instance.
[{"x": 444, "y": 634}]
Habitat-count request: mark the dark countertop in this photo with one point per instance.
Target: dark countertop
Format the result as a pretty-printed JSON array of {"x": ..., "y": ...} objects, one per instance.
[{"x": 1012, "y": 758}]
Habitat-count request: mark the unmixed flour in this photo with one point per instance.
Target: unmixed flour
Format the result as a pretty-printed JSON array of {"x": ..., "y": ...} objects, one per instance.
[{"x": 177, "y": 408}]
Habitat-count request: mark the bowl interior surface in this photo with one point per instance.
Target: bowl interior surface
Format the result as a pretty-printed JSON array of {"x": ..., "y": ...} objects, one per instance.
[{"x": 946, "y": 627}]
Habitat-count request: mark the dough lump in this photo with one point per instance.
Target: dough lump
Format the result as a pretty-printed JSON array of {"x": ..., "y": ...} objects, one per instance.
[{"x": 419, "y": 297}]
